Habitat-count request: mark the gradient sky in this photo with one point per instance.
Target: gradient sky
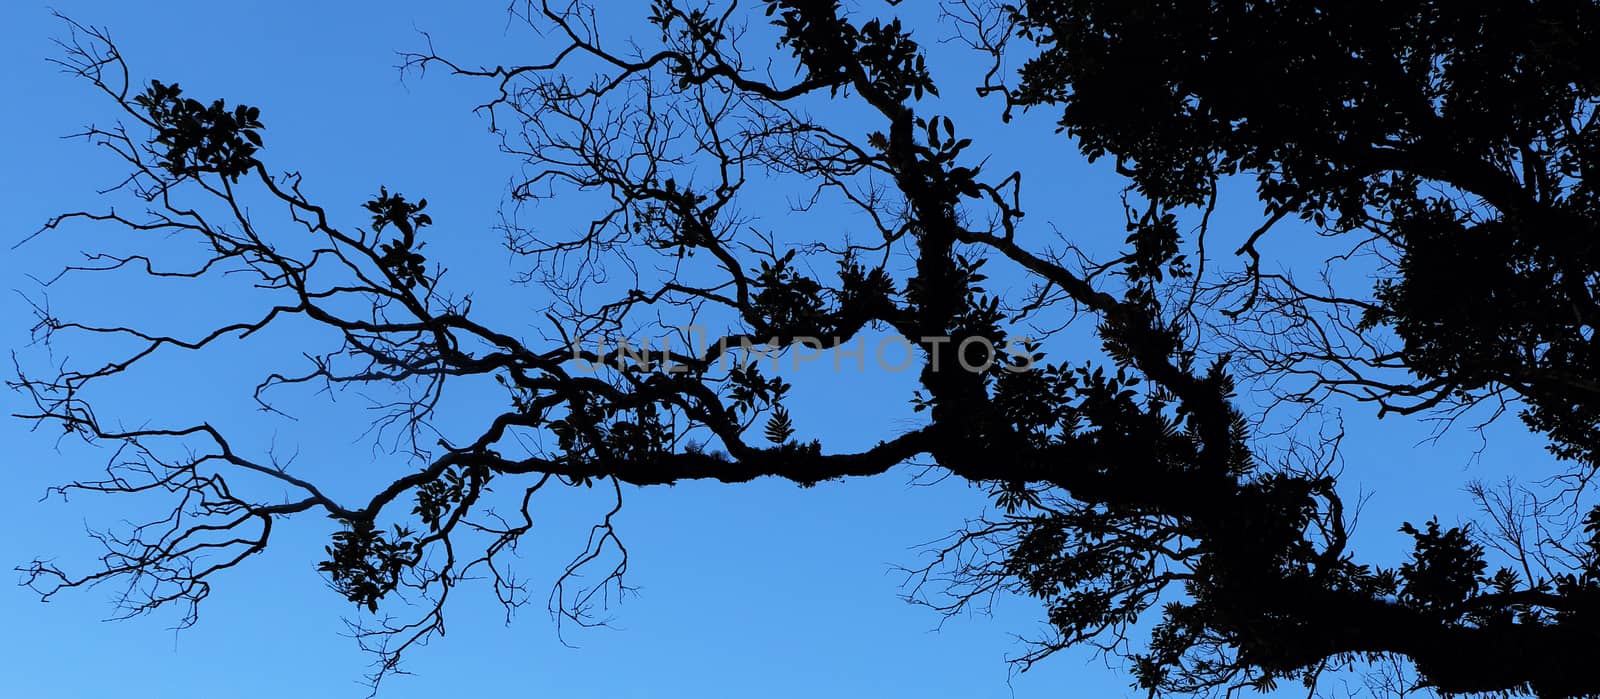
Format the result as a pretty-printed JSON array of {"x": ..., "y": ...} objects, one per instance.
[{"x": 757, "y": 590}]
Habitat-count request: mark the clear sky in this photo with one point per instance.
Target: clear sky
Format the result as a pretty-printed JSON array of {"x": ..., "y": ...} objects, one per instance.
[{"x": 764, "y": 589}]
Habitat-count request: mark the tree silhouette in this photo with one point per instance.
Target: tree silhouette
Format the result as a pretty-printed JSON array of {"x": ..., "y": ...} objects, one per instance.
[{"x": 1445, "y": 141}]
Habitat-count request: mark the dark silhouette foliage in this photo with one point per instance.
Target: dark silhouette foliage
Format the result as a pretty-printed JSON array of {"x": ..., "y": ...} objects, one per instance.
[
  {"x": 1453, "y": 143},
  {"x": 1462, "y": 134}
]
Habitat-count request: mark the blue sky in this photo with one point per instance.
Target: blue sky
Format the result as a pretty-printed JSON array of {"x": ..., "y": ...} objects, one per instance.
[{"x": 762, "y": 589}]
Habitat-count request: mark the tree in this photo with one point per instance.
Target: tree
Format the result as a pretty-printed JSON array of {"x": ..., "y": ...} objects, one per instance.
[{"x": 1430, "y": 141}]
